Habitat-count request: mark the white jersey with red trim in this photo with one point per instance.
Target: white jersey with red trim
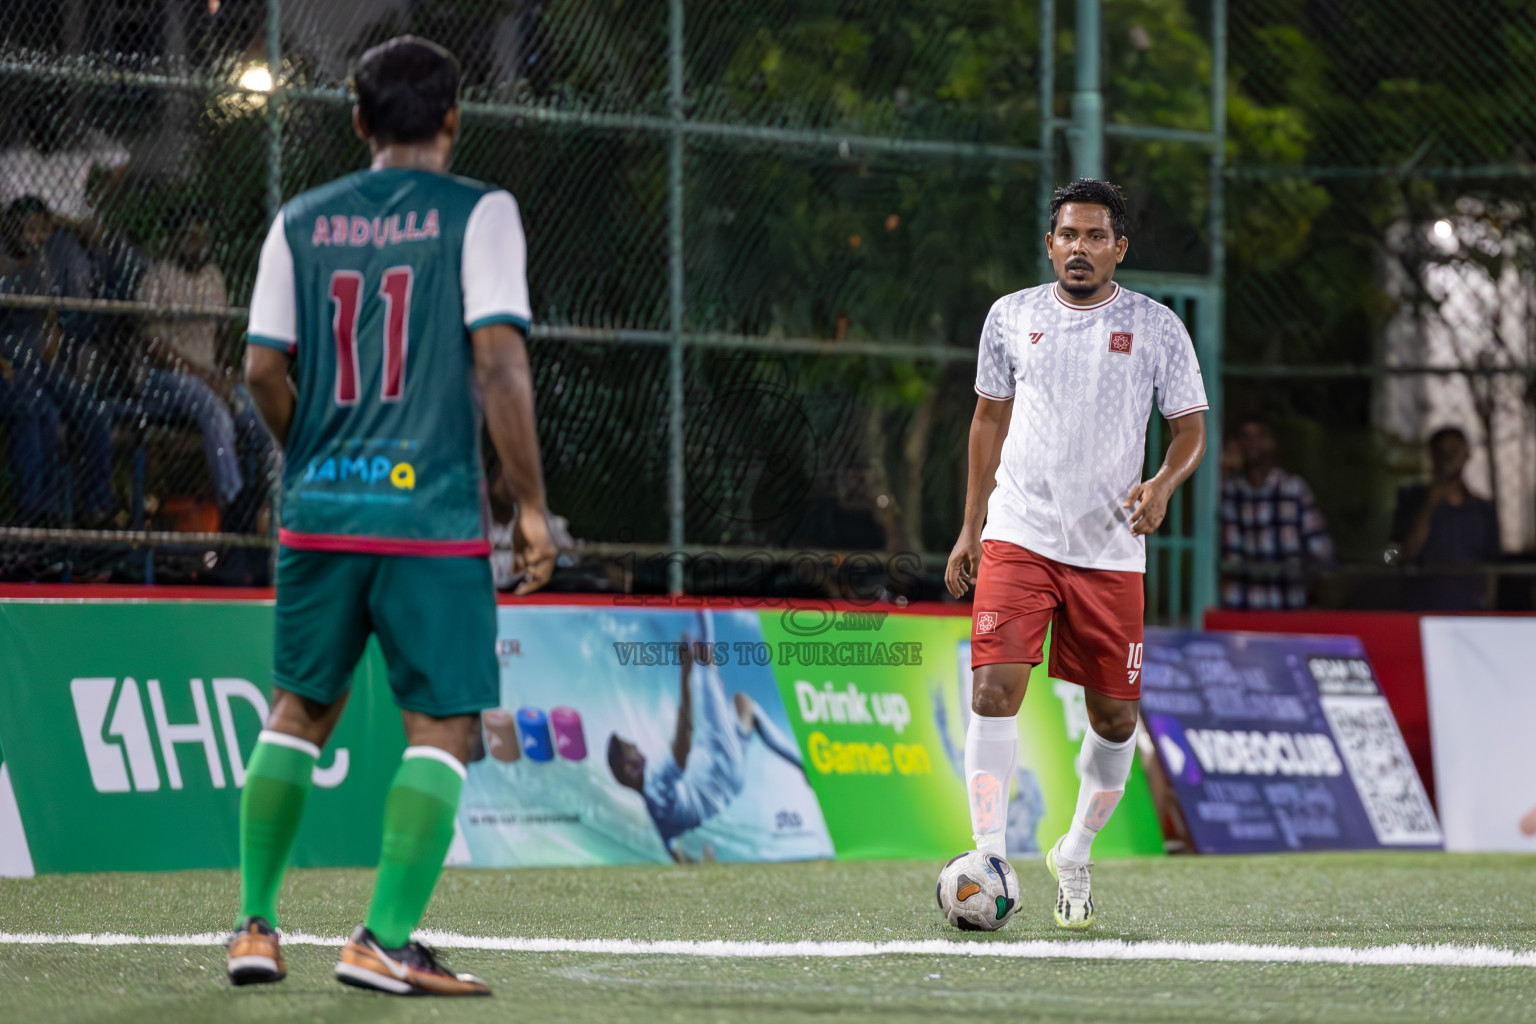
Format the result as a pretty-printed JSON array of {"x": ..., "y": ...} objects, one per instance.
[{"x": 1081, "y": 379}]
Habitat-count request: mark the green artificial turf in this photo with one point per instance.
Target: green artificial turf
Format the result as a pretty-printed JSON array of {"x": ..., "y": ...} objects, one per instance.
[{"x": 1325, "y": 900}]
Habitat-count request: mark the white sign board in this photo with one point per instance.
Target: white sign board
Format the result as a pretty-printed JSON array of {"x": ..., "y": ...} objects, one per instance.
[{"x": 1481, "y": 678}]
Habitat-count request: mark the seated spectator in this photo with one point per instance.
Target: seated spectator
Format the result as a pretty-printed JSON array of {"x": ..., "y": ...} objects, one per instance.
[
  {"x": 186, "y": 379},
  {"x": 1271, "y": 529},
  {"x": 62, "y": 162},
  {"x": 39, "y": 391},
  {"x": 1442, "y": 524}
]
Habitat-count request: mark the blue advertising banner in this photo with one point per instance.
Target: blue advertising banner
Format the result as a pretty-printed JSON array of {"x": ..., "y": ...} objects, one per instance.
[
  {"x": 1277, "y": 743},
  {"x": 610, "y": 748}
]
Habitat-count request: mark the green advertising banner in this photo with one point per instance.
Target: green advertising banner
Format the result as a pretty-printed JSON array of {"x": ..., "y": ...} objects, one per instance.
[
  {"x": 126, "y": 728},
  {"x": 879, "y": 704}
]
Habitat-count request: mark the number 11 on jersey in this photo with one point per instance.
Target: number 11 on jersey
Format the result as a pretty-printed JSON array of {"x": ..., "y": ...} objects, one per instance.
[{"x": 346, "y": 294}]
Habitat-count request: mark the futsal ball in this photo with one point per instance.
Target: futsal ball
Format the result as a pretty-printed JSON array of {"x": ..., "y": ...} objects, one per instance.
[{"x": 978, "y": 892}]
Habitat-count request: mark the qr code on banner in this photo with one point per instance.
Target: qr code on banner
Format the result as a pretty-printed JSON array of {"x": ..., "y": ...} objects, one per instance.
[{"x": 1383, "y": 772}]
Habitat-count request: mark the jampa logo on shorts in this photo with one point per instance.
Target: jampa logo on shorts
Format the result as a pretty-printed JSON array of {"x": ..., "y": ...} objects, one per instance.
[
  {"x": 986, "y": 622},
  {"x": 120, "y": 745}
]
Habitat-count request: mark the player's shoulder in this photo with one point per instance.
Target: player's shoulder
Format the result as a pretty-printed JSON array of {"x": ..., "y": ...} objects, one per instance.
[
  {"x": 453, "y": 191},
  {"x": 1155, "y": 313},
  {"x": 468, "y": 190},
  {"x": 321, "y": 195},
  {"x": 1023, "y": 299},
  {"x": 1144, "y": 303}
]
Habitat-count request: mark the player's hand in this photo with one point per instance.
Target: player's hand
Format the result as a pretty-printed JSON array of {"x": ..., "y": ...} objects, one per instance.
[
  {"x": 533, "y": 551},
  {"x": 1148, "y": 502},
  {"x": 964, "y": 560}
]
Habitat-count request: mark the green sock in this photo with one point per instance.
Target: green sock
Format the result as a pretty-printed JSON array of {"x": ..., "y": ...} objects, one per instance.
[
  {"x": 418, "y": 829},
  {"x": 276, "y": 783}
]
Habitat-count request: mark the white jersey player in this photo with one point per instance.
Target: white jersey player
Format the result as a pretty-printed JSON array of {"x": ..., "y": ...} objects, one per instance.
[{"x": 1056, "y": 514}]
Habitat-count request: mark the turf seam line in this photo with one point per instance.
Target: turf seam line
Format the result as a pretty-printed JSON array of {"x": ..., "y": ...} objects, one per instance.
[{"x": 1401, "y": 955}]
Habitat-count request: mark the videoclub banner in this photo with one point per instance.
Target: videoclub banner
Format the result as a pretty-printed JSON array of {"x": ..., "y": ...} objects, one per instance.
[
  {"x": 1279, "y": 743},
  {"x": 805, "y": 733}
]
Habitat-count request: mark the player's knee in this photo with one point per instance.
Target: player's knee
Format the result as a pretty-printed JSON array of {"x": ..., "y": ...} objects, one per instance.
[
  {"x": 303, "y": 717},
  {"x": 995, "y": 695},
  {"x": 1117, "y": 726},
  {"x": 454, "y": 734}
]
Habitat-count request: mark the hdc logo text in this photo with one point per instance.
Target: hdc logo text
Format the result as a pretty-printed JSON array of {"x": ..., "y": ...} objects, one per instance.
[{"x": 129, "y": 732}]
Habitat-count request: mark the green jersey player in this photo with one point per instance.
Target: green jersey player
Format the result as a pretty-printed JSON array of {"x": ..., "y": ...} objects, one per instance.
[{"x": 387, "y": 327}]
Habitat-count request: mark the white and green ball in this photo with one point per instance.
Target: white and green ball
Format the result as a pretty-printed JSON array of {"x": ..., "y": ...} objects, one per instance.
[{"x": 978, "y": 891}]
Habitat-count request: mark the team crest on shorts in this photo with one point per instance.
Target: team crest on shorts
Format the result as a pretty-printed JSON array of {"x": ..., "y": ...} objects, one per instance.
[
  {"x": 1120, "y": 341},
  {"x": 986, "y": 622}
]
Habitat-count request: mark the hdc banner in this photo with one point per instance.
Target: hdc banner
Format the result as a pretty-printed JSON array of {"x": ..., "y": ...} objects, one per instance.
[
  {"x": 126, "y": 728},
  {"x": 1281, "y": 743}
]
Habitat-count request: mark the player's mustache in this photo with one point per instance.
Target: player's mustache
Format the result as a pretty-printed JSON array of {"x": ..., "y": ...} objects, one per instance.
[{"x": 1079, "y": 263}]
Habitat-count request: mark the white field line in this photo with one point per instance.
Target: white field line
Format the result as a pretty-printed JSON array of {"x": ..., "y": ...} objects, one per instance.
[{"x": 1099, "y": 949}]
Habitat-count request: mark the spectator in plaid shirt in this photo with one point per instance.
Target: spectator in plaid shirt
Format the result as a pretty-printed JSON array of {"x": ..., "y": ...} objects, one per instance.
[{"x": 1270, "y": 527}]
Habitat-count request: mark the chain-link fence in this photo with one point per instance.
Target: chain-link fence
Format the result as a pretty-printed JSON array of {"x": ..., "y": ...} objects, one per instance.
[
  {"x": 1380, "y": 278},
  {"x": 762, "y": 240},
  {"x": 761, "y": 246}
]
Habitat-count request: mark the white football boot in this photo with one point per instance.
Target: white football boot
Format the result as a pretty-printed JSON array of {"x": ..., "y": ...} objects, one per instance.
[{"x": 1074, "y": 890}]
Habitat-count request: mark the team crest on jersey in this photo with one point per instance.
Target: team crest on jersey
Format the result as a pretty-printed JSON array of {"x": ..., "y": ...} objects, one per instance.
[
  {"x": 1120, "y": 341},
  {"x": 986, "y": 622}
]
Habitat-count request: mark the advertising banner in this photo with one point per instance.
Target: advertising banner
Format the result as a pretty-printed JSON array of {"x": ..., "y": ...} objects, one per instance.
[
  {"x": 1279, "y": 743},
  {"x": 15, "y": 858},
  {"x": 625, "y": 735},
  {"x": 880, "y": 704},
  {"x": 126, "y": 728},
  {"x": 811, "y": 733},
  {"x": 612, "y": 747},
  {"x": 1482, "y": 706}
]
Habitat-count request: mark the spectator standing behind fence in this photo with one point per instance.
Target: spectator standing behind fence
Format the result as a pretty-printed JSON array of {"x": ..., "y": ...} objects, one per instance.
[
  {"x": 37, "y": 390},
  {"x": 1271, "y": 529},
  {"x": 1443, "y": 525},
  {"x": 186, "y": 379}
]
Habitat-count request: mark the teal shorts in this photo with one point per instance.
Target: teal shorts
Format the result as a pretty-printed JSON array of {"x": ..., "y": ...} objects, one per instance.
[{"x": 435, "y": 619}]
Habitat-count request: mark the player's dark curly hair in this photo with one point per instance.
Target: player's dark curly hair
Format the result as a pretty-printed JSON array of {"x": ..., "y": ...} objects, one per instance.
[
  {"x": 1096, "y": 192},
  {"x": 405, "y": 88}
]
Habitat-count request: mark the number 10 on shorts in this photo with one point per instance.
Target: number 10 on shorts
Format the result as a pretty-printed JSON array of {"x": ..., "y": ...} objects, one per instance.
[{"x": 1132, "y": 664}]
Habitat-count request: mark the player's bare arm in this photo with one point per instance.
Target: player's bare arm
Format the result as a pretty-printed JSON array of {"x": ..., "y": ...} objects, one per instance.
[
  {"x": 506, "y": 387},
  {"x": 1148, "y": 500},
  {"x": 272, "y": 391},
  {"x": 682, "y": 740},
  {"x": 989, "y": 429}
]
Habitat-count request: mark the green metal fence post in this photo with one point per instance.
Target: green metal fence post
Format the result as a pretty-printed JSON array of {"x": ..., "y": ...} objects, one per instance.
[
  {"x": 1047, "y": 127},
  {"x": 1087, "y": 100},
  {"x": 274, "y": 108},
  {"x": 1208, "y": 481},
  {"x": 675, "y": 467},
  {"x": 274, "y": 203}
]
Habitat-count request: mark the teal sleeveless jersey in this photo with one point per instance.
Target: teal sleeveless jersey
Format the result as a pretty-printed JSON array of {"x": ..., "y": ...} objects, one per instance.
[{"x": 373, "y": 301}]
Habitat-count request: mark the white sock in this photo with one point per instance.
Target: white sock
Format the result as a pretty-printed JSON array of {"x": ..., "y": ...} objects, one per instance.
[
  {"x": 991, "y": 755},
  {"x": 1104, "y": 767}
]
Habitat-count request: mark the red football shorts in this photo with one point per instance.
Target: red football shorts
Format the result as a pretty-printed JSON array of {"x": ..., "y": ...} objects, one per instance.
[{"x": 1095, "y": 617}]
